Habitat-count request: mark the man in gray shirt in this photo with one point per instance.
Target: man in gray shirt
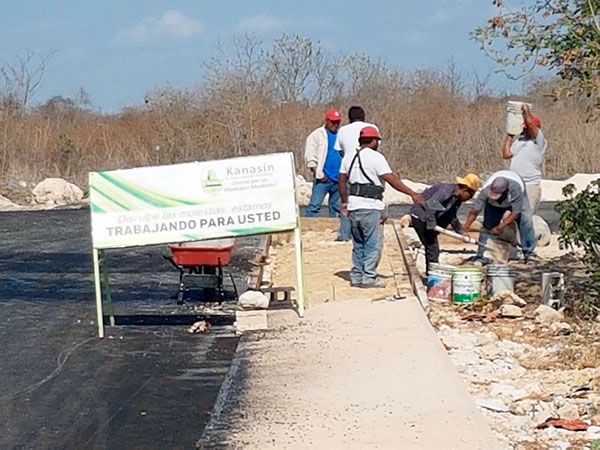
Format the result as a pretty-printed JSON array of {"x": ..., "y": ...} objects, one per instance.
[
  {"x": 504, "y": 191},
  {"x": 526, "y": 154}
]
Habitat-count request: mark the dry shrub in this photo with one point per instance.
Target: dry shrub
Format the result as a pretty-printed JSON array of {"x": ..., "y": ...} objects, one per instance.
[{"x": 432, "y": 128}]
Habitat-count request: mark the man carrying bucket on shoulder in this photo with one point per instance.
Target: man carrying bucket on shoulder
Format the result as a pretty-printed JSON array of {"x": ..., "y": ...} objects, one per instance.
[
  {"x": 443, "y": 201},
  {"x": 526, "y": 154},
  {"x": 504, "y": 192}
]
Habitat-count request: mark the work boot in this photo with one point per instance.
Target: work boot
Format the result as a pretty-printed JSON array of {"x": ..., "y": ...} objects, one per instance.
[
  {"x": 377, "y": 284},
  {"x": 532, "y": 259}
]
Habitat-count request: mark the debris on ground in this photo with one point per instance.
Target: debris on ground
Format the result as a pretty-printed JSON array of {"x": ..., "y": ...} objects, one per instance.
[
  {"x": 561, "y": 328},
  {"x": 510, "y": 311},
  {"x": 479, "y": 317},
  {"x": 547, "y": 315},
  {"x": 506, "y": 297},
  {"x": 525, "y": 364},
  {"x": 202, "y": 326},
  {"x": 571, "y": 425},
  {"x": 56, "y": 191},
  {"x": 522, "y": 373},
  {"x": 253, "y": 300}
]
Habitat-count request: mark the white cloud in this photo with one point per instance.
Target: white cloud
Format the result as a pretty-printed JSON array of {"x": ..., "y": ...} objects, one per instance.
[
  {"x": 260, "y": 22},
  {"x": 172, "y": 25}
]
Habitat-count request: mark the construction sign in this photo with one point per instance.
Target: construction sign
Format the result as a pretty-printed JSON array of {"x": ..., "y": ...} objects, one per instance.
[{"x": 193, "y": 201}]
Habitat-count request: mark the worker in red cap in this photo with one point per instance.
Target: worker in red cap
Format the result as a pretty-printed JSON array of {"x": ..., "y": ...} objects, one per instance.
[
  {"x": 324, "y": 163},
  {"x": 526, "y": 155},
  {"x": 363, "y": 175}
]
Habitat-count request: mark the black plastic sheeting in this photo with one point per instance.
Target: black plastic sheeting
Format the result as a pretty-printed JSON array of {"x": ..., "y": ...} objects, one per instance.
[{"x": 148, "y": 384}]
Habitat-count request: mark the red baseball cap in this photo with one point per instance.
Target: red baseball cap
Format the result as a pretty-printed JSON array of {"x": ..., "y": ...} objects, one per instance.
[
  {"x": 536, "y": 121},
  {"x": 333, "y": 115},
  {"x": 370, "y": 132}
]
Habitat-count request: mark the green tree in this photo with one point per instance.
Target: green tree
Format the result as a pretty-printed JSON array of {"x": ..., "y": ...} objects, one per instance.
[
  {"x": 580, "y": 227},
  {"x": 561, "y": 35}
]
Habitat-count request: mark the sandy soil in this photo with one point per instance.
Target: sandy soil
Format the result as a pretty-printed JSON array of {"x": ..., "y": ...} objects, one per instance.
[{"x": 328, "y": 264}]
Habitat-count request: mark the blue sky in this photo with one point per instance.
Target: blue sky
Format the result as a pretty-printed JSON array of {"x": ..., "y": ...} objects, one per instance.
[{"x": 118, "y": 50}]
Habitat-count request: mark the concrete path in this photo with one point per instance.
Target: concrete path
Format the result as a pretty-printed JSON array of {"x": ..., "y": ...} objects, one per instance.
[{"x": 353, "y": 374}]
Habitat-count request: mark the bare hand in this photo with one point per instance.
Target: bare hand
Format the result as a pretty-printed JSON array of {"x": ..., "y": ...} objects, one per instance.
[
  {"x": 496, "y": 230},
  {"x": 417, "y": 199},
  {"x": 344, "y": 209},
  {"x": 525, "y": 108},
  {"x": 323, "y": 180}
]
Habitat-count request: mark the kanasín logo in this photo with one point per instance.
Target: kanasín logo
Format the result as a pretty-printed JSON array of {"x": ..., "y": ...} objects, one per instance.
[{"x": 211, "y": 183}]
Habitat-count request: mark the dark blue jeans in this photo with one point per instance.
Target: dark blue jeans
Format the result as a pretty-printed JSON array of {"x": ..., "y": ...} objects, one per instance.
[
  {"x": 492, "y": 216},
  {"x": 367, "y": 239},
  {"x": 319, "y": 190}
]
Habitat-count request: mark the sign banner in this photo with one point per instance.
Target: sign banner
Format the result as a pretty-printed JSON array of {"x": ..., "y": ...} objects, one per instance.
[{"x": 193, "y": 201}]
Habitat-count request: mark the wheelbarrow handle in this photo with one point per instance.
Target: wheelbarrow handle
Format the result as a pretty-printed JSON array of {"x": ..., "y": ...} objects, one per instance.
[{"x": 172, "y": 261}]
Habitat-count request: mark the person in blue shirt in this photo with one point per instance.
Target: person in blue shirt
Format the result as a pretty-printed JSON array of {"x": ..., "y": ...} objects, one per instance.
[{"x": 324, "y": 162}]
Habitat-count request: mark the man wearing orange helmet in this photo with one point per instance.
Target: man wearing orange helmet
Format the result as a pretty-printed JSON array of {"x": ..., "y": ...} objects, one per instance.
[
  {"x": 363, "y": 175},
  {"x": 526, "y": 155}
]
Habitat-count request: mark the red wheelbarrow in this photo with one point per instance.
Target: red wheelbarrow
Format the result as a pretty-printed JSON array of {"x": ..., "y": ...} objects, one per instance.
[{"x": 204, "y": 260}]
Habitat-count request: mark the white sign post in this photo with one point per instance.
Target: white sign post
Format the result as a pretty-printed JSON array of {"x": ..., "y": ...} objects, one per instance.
[{"x": 192, "y": 202}]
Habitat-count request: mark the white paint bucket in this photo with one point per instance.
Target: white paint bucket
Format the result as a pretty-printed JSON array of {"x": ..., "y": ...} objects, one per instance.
[
  {"x": 514, "y": 117},
  {"x": 439, "y": 282},
  {"x": 500, "y": 277},
  {"x": 466, "y": 284}
]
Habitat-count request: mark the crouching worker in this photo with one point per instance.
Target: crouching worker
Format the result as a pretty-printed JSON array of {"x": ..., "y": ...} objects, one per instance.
[
  {"x": 504, "y": 192},
  {"x": 362, "y": 179},
  {"x": 442, "y": 202}
]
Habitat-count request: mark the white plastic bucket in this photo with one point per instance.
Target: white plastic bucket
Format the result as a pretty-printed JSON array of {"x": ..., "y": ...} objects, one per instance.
[
  {"x": 466, "y": 285},
  {"x": 439, "y": 282},
  {"x": 500, "y": 277},
  {"x": 514, "y": 117}
]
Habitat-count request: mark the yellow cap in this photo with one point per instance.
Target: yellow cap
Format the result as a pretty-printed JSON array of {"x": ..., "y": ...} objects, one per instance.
[{"x": 471, "y": 181}]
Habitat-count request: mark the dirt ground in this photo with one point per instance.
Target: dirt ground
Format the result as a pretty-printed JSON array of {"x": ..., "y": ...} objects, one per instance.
[{"x": 319, "y": 235}]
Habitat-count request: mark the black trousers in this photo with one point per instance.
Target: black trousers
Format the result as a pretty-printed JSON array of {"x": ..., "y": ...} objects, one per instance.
[{"x": 429, "y": 238}]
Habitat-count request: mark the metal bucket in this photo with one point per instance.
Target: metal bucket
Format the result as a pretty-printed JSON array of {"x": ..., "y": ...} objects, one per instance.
[
  {"x": 466, "y": 285},
  {"x": 500, "y": 277},
  {"x": 439, "y": 282}
]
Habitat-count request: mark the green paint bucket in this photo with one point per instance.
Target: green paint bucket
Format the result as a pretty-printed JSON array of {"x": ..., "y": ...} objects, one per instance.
[{"x": 466, "y": 285}]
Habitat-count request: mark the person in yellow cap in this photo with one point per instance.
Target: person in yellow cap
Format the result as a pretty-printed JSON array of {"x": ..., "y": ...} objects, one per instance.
[{"x": 442, "y": 202}]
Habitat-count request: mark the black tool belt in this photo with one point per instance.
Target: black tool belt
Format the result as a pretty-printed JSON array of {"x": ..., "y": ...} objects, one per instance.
[{"x": 366, "y": 190}]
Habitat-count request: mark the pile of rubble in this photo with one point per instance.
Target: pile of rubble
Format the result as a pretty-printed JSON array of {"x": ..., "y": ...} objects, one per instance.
[
  {"x": 49, "y": 193},
  {"x": 534, "y": 374}
]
